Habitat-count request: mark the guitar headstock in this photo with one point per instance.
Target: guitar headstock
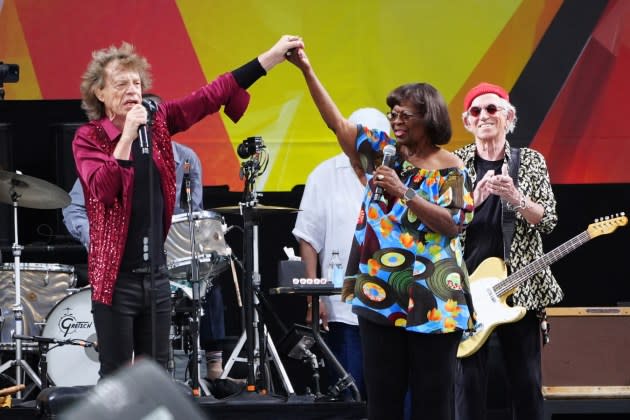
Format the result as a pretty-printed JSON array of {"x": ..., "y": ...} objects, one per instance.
[{"x": 606, "y": 225}]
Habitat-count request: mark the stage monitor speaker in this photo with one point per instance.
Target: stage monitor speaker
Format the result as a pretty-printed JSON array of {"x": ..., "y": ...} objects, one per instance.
[
  {"x": 6, "y": 164},
  {"x": 142, "y": 391},
  {"x": 588, "y": 351},
  {"x": 65, "y": 171}
]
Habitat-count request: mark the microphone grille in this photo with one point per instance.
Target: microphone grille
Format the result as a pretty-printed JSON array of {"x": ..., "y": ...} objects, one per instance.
[{"x": 389, "y": 150}]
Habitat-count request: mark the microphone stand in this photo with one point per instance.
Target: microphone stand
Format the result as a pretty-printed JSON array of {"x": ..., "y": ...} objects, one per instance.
[
  {"x": 196, "y": 293},
  {"x": 147, "y": 242}
]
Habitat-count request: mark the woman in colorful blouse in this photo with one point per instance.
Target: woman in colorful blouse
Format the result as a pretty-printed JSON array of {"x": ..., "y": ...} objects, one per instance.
[{"x": 406, "y": 277}]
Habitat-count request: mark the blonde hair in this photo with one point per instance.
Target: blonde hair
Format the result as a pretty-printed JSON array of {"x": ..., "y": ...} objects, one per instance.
[{"x": 94, "y": 76}]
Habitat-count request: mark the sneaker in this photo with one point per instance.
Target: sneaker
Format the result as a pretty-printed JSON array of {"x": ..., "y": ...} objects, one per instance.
[{"x": 221, "y": 388}]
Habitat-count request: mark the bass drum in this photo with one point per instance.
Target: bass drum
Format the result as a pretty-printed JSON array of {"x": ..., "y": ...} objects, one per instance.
[{"x": 71, "y": 318}]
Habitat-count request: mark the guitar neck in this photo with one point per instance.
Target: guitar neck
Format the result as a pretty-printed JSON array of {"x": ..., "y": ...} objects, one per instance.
[{"x": 516, "y": 279}]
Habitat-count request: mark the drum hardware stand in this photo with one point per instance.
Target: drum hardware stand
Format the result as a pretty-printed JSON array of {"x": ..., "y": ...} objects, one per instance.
[
  {"x": 195, "y": 372},
  {"x": 44, "y": 346},
  {"x": 296, "y": 343},
  {"x": 255, "y": 345},
  {"x": 19, "y": 363},
  {"x": 345, "y": 379},
  {"x": 175, "y": 333}
]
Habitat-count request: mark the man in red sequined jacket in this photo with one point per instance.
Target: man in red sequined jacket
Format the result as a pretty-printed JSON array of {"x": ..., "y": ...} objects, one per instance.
[{"x": 123, "y": 187}]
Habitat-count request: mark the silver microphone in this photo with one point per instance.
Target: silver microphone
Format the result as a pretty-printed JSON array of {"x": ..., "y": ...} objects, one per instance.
[
  {"x": 389, "y": 153},
  {"x": 143, "y": 135}
]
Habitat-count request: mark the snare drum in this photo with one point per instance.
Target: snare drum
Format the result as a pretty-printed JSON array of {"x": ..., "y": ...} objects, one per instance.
[
  {"x": 42, "y": 286},
  {"x": 212, "y": 251},
  {"x": 71, "y": 318},
  {"x": 186, "y": 288}
]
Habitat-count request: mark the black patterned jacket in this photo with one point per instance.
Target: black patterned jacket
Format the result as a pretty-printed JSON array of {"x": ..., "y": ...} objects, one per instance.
[{"x": 541, "y": 289}]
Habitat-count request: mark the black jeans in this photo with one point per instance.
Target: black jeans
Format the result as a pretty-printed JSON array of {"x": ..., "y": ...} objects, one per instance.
[
  {"x": 124, "y": 328},
  {"x": 395, "y": 360},
  {"x": 521, "y": 346},
  {"x": 212, "y": 323}
]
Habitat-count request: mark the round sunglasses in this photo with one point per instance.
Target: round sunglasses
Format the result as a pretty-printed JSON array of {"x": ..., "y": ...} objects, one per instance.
[{"x": 491, "y": 109}]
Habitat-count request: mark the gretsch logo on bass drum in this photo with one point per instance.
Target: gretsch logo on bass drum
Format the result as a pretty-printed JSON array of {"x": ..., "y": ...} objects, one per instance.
[{"x": 69, "y": 324}]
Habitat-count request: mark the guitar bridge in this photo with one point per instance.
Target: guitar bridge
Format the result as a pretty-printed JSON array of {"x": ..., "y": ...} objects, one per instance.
[{"x": 469, "y": 333}]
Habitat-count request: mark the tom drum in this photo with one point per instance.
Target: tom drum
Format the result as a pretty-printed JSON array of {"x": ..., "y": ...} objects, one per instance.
[
  {"x": 42, "y": 286},
  {"x": 211, "y": 249}
]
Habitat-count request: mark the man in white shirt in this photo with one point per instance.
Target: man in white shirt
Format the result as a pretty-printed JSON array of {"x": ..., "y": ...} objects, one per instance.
[{"x": 329, "y": 209}]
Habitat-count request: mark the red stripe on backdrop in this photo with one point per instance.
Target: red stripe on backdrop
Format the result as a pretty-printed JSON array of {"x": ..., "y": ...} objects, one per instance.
[
  {"x": 61, "y": 36},
  {"x": 585, "y": 137}
]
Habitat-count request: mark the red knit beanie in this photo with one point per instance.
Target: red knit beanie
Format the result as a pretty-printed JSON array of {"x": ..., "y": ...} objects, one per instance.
[{"x": 481, "y": 89}]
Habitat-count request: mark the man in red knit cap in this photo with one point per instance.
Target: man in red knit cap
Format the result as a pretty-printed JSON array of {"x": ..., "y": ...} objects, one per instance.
[{"x": 514, "y": 204}]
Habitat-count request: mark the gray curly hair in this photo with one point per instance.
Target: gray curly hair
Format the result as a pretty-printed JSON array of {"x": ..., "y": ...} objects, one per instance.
[{"x": 94, "y": 76}]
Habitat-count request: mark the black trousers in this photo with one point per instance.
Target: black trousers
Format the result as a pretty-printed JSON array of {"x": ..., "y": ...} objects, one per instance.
[
  {"x": 521, "y": 346},
  {"x": 124, "y": 329},
  {"x": 212, "y": 323},
  {"x": 395, "y": 360}
]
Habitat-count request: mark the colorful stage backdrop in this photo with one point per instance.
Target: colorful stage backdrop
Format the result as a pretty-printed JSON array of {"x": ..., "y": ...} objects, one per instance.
[{"x": 565, "y": 62}]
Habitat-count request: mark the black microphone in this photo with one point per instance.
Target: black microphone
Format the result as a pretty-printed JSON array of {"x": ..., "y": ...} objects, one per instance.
[
  {"x": 151, "y": 107},
  {"x": 185, "y": 195},
  {"x": 389, "y": 153}
]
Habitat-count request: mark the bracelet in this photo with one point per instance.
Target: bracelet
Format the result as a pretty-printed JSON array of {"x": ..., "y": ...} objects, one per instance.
[{"x": 522, "y": 204}]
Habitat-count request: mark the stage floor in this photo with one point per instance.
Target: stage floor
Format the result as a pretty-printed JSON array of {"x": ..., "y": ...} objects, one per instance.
[{"x": 295, "y": 408}]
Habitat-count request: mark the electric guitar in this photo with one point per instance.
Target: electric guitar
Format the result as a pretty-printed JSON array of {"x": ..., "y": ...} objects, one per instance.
[{"x": 490, "y": 287}]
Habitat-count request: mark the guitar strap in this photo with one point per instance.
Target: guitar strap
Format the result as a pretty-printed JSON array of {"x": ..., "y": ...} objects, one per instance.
[{"x": 509, "y": 215}]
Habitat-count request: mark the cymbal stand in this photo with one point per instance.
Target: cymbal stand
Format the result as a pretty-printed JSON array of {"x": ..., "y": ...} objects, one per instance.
[
  {"x": 19, "y": 363},
  {"x": 195, "y": 316},
  {"x": 256, "y": 345}
]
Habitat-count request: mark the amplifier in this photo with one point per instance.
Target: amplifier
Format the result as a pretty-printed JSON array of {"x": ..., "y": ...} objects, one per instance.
[{"x": 588, "y": 352}]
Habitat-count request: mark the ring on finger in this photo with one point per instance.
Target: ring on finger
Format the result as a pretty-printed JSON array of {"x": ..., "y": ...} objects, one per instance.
[{"x": 380, "y": 177}]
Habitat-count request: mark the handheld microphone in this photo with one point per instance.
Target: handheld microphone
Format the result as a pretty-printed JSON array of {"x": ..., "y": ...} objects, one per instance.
[
  {"x": 143, "y": 134},
  {"x": 389, "y": 153}
]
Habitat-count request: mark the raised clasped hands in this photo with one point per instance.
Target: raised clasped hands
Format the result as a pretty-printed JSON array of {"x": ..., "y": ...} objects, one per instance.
[
  {"x": 501, "y": 185},
  {"x": 278, "y": 52},
  {"x": 299, "y": 58}
]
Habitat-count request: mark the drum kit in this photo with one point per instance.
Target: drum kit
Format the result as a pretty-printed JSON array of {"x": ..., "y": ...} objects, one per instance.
[{"x": 44, "y": 314}]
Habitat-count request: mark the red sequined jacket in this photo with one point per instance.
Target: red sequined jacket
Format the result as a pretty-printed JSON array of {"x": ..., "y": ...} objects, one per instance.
[{"x": 108, "y": 184}]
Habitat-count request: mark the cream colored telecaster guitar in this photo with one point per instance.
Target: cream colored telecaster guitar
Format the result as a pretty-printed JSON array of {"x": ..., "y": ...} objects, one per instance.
[{"x": 490, "y": 287}]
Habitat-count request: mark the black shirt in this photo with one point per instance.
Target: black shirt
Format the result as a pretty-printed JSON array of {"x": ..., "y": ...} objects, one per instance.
[
  {"x": 140, "y": 214},
  {"x": 484, "y": 236}
]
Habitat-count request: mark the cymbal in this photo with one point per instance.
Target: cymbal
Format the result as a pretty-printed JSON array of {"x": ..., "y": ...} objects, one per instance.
[
  {"x": 33, "y": 193},
  {"x": 259, "y": 210}
]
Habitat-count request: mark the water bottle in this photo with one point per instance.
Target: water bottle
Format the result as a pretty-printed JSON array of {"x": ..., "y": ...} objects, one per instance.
[{"x": 335, "y": 270}]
